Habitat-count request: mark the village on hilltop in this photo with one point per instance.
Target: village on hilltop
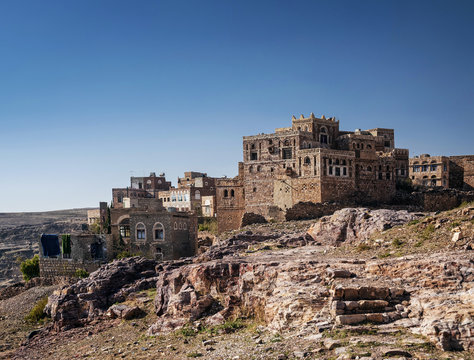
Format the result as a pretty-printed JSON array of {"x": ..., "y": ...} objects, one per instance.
[{"x": 310, "y": 161}]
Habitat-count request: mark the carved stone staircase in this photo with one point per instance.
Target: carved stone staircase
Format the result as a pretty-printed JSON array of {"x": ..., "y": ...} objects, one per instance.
[{"x": 351, "y": 305}]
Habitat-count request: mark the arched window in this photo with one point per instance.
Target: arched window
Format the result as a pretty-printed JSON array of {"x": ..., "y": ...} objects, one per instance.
[
  {"x": 353, "y": 145},
  {"x": 197, "y": 195},
  {"x": 369, "y": 146},
  {"x": 362, "y": 146},
  {"x": 185, "y": 227},
  {"x": 158, "y": 232},
  {"x": 124, "y": 228},
  {"x": 226, "y": 193},
  {"x": 250, "y": 168},
  {"x": 252, "y": 146},
  {"x": 259, "y": 168},
  {"x": 180, "y": 225},
  {"x": 307, "y": 160},
  {"x": 175, "y": 225},
  {"x": 369, "y": 168},
  {"x": 232, "y": 193},
  {"x": 140, "y": 231}
]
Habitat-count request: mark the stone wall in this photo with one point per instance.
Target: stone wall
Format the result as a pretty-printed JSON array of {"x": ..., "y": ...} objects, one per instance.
[
  {"x": 55, "y": 268},
  {"x": 461, "y": 175}
]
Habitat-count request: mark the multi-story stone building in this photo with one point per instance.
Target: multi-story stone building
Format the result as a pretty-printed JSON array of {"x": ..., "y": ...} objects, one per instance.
[
  {"x": 140, "y": 187},
  {"x": 429, "y": 170},
  {"x": 313, "y": 160},
  {"x": 151, "y": 230},
  {"x": 195, "y": 190},
  {"x": 443, "y": 171}
]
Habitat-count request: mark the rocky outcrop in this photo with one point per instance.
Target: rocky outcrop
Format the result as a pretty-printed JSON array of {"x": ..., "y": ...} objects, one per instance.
[
  {"x": 91, "y": 297},
  {"x": 252, "y": 218},
  {"x": 355, "y": 224}
]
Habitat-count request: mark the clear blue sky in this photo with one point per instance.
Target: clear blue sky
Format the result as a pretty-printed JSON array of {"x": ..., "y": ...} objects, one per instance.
[{"x": 91, "y": 90}]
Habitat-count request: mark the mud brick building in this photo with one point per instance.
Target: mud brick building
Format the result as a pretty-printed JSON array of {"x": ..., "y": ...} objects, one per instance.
[
  {"x": 195, "y": 190},
  {"x": 442, "y": 171},
  {"x": 312, "y": 160},
  {"x": 140, "y": 187},
  {"x": 153, "y": 231}
]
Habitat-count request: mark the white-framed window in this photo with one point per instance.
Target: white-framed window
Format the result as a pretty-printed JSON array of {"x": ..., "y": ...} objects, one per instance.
[
  {"x": 197, "y": 195},
  {"x": 140, "y": 231},
  {"x": 158, "y": 232}
]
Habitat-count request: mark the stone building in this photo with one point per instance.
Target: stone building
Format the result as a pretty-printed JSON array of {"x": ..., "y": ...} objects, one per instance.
[
  {"x": 140, "y": 187},
  {"x": 230, "y": 201},
  {"x": 195, "y": 190},
  {"x": 443, "y": 171},
  {"x": 151, "y": 230},
  {"x": 93, "y": 216},
  {"x": 63, "y": 255},
  {"x": 429, "y": 170},
  {"x": 313, "y": 160}
]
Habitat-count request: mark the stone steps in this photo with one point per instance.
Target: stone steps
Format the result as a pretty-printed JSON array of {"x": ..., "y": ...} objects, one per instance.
[{"x": 351, "y": 305}]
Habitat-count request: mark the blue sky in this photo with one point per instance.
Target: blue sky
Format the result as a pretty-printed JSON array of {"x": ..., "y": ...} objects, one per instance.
[{"x": 93, "y": 91}]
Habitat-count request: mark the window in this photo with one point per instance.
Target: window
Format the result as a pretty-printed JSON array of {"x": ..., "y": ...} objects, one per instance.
[
  {"x": 307, "y": 160},
  {"x": 387, "y": 144},
  {"x": 124, "y": 228},
  {"x": 197, "y": 195},
  {"x": 445, "y": 167},
  {"x": 175, "y": 225},
  {"x": 323, "y": 139},
  {"x": 433, "y": 167},
  {"x": 387, "y": 176},
  {"x": 180, "y": 198},
  {"x": 380, "y": 176},
  {"x": 369, "y": 168},
  {"x": 369, "y": 146},
  {"x": 287, "y": 153},
  {"x": 424, "y": 168},
  {"x": 344, "y": 171},
  {"x": 253, "y": 156},
  {"x": 259, "y": 168},
  {"x": 158, "y": 232},
  {"x": 254, "y": 189},
  {"x": 232, "y": 193},
  {"x": 250, "y": 168},
  {"x": 330, "y": 170},
  {"x": 338, "y": 171},
  {"x": 226, "y": 193},
  {"x": 140, "y": 231}
]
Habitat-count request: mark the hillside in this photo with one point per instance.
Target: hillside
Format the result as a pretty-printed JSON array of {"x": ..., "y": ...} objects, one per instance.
[{"x": 360, "y": 284}]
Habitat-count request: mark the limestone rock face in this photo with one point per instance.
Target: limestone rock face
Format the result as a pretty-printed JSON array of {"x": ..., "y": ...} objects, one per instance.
[
  {"x": 92, "y": 296},
  {"x": 353, "y": 224}
]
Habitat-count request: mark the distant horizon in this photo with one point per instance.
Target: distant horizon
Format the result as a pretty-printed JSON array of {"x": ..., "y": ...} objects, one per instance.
[{"x": 94, "y": 90}]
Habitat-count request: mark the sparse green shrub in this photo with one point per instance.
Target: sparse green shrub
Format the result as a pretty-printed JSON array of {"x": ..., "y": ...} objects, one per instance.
[
  {"x": 419, "y": 243},
  {"x": 427, "y": 232},
  {"x": 30, "y": 268},
  {"x": 81, "y": 273},
  {"x": 37, "y": 313},
  {"x": 384, "y": 255},
  {"x": 194, "y": 354},
  {"x": 209, "y": 225},
  {"x": 187, "y": 331},
  {"x": 362, "y": 247},
  {"x": 124, "y": 254},
  {"x": 397, "y": 242},
  {"x": 455, "y": 224},
  {"x": 413, "y": 222}
]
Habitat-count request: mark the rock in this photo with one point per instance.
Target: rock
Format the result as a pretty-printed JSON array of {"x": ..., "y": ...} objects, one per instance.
[
  {"x": 356, "y": 224},
  {"x": 252, "y": 218},
  {"x": 339, "y": 273},
  {"x": 331, "y": 344},
  {"x": 396, "y": 352},
  {"x": 124, "y": 312},
  {"x": 87, "y": 299},
  {"x": 456, "y": 236},
  {"x": 350, "y": 319}
]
